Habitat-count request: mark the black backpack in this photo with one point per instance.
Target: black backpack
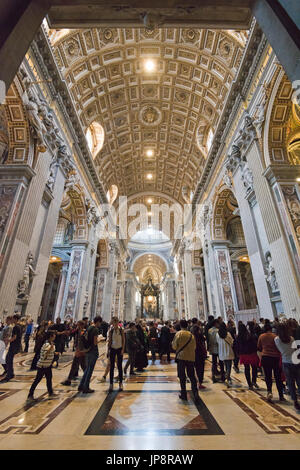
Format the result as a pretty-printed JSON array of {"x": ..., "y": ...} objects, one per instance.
[{"x": 85, "y": 340}]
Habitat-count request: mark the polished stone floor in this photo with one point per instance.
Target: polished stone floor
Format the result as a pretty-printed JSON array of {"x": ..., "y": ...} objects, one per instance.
[{"x": 147, "y": 415}]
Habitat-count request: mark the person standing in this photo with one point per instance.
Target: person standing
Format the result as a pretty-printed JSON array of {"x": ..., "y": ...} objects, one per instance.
[
  {"x": 28, "y": 333},
  {"x": 165, "y": 341},
  {"x": 200, "y": 354},
  {"x": 14, "y": 348},
  {"x": 40, "y": 335},
  {"x": 5, "y": 335},
  {"x": 91, "y": 337},
  {"x": 60, "y": 330},
  {"x": 185, "y": 345},
  {"x": 247, "y": 351},
  {"x": 225, "y": 350},
  {"x": 141, "y": 360},
  {"x": 285, "y": 345},
  {"x": 132, "y": 345},
  {"x": 232, "y": 330},
  {"x": 153, "y": 340},
  {"x": 213, "y": 349},
  {"x": 44, "y": 366},
  {"x": 116, "y": 347},
  {"x": 79, "y": 356},
  {"x": 270, "y": 359}
]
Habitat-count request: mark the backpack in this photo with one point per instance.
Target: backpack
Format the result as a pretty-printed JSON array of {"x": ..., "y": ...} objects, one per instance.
[{"x": 85, "y": 340}]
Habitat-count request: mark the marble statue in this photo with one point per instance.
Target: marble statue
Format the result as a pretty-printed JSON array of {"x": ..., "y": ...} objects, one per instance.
[
  {"x": 271, "y": 276},
  {"x": 24, "y": 283}
]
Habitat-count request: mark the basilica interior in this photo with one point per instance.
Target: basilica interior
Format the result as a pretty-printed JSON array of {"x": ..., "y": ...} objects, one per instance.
[{"x": 149, "y": 169}]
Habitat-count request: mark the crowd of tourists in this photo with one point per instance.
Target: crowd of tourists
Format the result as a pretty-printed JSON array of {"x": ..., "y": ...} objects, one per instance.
[{"x": 266, "y": 348}]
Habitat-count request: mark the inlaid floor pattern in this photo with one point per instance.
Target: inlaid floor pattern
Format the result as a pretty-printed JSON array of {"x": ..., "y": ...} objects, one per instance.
[{"x": 147, "y": 414}]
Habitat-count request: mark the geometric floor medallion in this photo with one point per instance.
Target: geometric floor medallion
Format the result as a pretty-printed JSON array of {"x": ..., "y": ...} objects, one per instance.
[
  {"x": 153, "y": 412},
  {"x": 273, "y": 419}
]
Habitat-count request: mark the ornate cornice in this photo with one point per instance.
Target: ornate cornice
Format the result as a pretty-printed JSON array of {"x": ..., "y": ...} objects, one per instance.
[
  {"x": 253, "y": 53},
  {"x": 42, "y": 53},
  {"x": 282, "y": 173}
]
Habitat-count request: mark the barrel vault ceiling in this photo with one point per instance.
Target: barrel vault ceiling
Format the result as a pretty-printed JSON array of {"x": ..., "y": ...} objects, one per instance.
[{"x": 172, "y": 110}]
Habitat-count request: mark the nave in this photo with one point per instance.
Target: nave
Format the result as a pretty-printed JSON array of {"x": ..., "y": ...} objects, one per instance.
[{"x": 147, "y": 415}]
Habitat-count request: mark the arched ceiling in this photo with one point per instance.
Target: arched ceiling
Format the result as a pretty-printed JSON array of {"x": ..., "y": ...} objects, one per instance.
[
  {"x": 170, "y": 110},
  {"x": 150, "y": 265}
]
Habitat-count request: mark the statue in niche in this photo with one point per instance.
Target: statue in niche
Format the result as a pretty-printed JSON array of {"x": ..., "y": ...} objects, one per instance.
[
  {"x": 247, "y": 178},
  {"x": 271, "y": 276},
  {"x": 32, "y": 106},
  {"x": 69, "y": 233},
  {"x": 24, "y": 283},
  {"x": 260, "y": 110},
  {"x": 71, "y": 180},
  {"x": 51, "y": 179},
  {"x": 227, "y": 179}
]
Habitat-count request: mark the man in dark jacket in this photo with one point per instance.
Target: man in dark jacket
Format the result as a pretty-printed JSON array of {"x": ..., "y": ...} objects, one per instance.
[
  {"x": 132, "y": 344},
  {"x": 165, "y": 341}
]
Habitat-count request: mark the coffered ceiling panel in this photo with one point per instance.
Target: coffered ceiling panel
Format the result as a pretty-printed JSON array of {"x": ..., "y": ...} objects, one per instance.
[{"x": 169, "y": 110}]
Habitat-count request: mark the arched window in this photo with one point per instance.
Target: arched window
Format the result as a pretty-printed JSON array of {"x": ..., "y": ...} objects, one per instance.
[
  {"x": 209, "y": 139},
  {"x": 95, "y": 138},
  {"x": 112, "y": 193}
]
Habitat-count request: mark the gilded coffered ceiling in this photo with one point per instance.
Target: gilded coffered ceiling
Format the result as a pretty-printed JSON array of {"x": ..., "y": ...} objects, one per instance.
[{"x": 171, "y": 111}]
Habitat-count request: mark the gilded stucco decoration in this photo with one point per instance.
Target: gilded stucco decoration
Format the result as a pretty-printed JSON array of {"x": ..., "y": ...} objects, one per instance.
[{"x": 170, "y": 109}]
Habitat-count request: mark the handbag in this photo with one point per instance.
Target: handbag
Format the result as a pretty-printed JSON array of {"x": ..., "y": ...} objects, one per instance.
[{"x": 181, "y": 349}]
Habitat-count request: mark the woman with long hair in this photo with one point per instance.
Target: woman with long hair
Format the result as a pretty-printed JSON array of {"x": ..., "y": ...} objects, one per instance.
[
  {"x": 285, "y": 344},
  {"x": 226, "y": 354},
  {"x": 247, "y": 348},
  {"x": 270, "y": 360}
]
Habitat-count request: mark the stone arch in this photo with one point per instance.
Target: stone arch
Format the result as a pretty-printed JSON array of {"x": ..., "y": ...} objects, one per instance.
[
  {"x": 225, "y": 204},
  {"x": 20, "y": 146},
  {"x": 277, "y": 128},
  {"x": 155, "y": 254}
]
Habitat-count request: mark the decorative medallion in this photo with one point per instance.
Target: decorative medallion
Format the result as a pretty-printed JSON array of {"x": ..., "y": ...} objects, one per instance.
[
  {"x": 73, "y": 48},
  {"x": 225, "y": 49},
  {"x": 150, "y": 116},
  {"x": 108, "y": 35},
  {"x": 190, "y": 35}
]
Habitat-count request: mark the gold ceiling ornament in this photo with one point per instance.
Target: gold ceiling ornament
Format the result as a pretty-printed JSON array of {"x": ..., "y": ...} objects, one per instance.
[{"x": 150, "y": 115}]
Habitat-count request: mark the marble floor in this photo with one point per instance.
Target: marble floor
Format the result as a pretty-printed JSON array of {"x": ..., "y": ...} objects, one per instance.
[{"x": 147, "y": 415}]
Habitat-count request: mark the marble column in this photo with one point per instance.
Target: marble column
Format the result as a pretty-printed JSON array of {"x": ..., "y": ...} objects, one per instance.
[
  {"x": 226, "y": 289},
  {"x": 42, "y": 239},
  {"x": 286, "y": 273},
  {"x": 110, "y": 284},
  {"x": 200, "y": 297},
  {"x": 255, "y": 235},
  {"x": 27, "y": 203},
  {"x": 101, "y": 274},
  {"x": 282, "y": 33},
  {"x": 238, "y": 286},
  {"x": 169, "y": 312},
  {"x": 130, "y": 297},
  {"x": 71, "y": 301},
  {"x": 61, "y": 290}
]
